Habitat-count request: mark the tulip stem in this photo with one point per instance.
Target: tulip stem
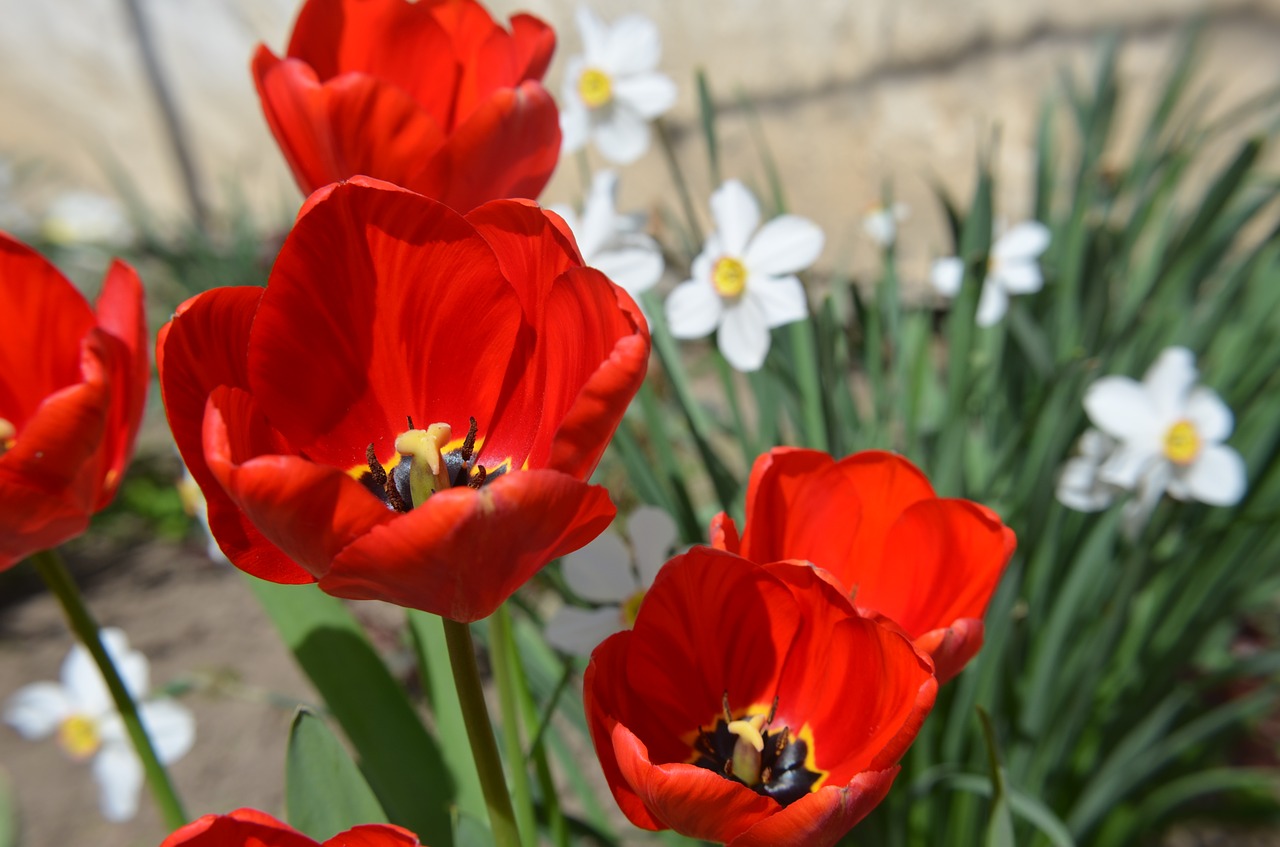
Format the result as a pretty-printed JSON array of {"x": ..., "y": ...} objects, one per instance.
[
  {"x": 502, "y": 649},
  {"x": 54, "y": 572},
  {"x": 484, "y": 746}
]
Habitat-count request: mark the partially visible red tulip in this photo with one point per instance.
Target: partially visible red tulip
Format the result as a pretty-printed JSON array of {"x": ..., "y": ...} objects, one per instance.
[
  {"x": 431, "y": 95},
  {"x": 251, "y": 828},
  {"x": 873, "y": 521},
  {"x": 753, "y": 705},
  {"x": 72, "y": 389},
  {"x": 292, "y": 405}
]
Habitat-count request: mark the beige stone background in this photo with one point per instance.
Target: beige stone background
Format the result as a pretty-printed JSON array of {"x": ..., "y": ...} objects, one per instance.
[{"x": 852, "y": 95}]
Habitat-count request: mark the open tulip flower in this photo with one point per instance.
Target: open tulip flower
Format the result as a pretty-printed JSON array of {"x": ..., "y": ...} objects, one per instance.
[
  {"x": 432, "y": 95},
  {"x": 872, "y": 520},
  {"x": 72, "y": 389},
  {"x": 753, "y": 705},
  {"x": 410, "y": 410},
  {"x": 251, "y": 828}
]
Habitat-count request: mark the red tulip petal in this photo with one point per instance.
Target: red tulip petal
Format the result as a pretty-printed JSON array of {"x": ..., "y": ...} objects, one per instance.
[
  {"x": 352, "y": 124},
  {"x": 203, "y": 347},
  {"x": 42, "y": 324},
  {"x": 121, "y": 315},
  {"x": 822, "y": 818},
  {"x": 534, "y": 43},
  {"x": 464, "y": 552},
  {"x": 310, "y": 511},
  {"x": 724, "y": 534},
  {"x": 374, "y": 835},
  {"x": 693, "y": 801},
  {"x": 531, "y": 249},
  {"x": 398, "y": 42},
  {"x": 382, "y": 304},
  {"x": 241, "y": 828},
  {"x": 952, "y": 648},
  {"x": 777, "y": 479},
  {"x": 956, "y": 548},
  {"x": 508, "y": 147}
]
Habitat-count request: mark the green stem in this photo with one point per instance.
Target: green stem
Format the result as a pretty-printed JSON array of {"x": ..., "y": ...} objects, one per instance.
[
  {"x": 503, "y": 650},
  {"x": 804, "y": 347},
  {"x": 677, "y": 176},
  {"x": 484, "y": 747},
  {"x": 55, "y": 575}
]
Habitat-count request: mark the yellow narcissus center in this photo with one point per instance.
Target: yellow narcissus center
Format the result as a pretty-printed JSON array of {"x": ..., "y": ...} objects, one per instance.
[
  {"x": 631, "y": 609},
  {"x": 78, "y": 735},
  {"x": 595, "y": 88},
  {"x": 1182, "y": 443},
  {"x": 729, "y": 276}
]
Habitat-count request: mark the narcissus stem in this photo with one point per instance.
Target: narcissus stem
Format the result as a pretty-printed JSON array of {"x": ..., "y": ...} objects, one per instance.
[
  {"x": 484, "y": 746},
  {"x": 55, "y": 575}
]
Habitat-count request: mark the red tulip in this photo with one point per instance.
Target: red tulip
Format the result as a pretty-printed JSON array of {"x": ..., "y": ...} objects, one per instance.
[
  {"x": 72, "y": 389},
  {"x": 432, "y": 95},
  {"x": 753, "y": 705},
  {"x": 251, "y": 828},
  {"x": 516, "y": 364},
  {"x": 873, "y": 521}
]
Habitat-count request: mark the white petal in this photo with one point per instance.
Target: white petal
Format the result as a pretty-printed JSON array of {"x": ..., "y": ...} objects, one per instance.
[
  {"x": 171, "y": 727},
  {"x": 881, "y": 227},
  {"x": 649, "y": 95},
  {"x": 1095, "y": 445},
  {"x": 84, "y": 683},
  {"x": 693, "y": 309},
  {"x": 1120, "y": 407},
  {"x": 744, "y": 336},
  {"x": 579, "y": 631},
  {"x": 601, "y": 571},
  {"x": 1217, "y": 476},
  {"x": 635, "y": 45},
  {"x": 1026, "y": 241},
  {"x": 575, "y": 125},
  {"x": 737, "y": 215},
  {"x": 1129, "y": 464},
  {"x": 36, "y": 710},
  {"x": 653, "y": 535},
  {"x": 595, "y": 36},
  {"x": 118, "y": 772},
  {"x": 784, "y": 245},
  {"x": 1168, "y": 382},
  {"x": 992, "y": 304},
  {"x": 621, "y": 136},
  {"x": 636, "y": 267},
  {"x": 1209, "y": 415},
  {"x": 947, "y": 275},
  {"x": 598, "y": 215},
  {"x": 1079, "y": 487},
  {"x": 779, "y": 300},
  {"x": 1017, "y": 277},
  {"x": 1138, "y": 510}
]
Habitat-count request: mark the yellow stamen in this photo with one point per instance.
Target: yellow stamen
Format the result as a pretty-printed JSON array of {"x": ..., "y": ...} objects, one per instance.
[
  {"x": 631, "y": 609},
  {"x": 78, "y": 735},
  {"x": 8, "y": 436},
  {"x": 729, "y": 276},
  {"x": 1182, "y": 443},
  {"x": 428, "y": 472},
  {"x": 595, "y": 88}
]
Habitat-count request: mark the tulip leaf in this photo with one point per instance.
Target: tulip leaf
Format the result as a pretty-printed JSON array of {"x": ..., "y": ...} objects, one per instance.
[
  {"x": 1000, "y": 824},
  {"x": 325, "y": 792},
  {"x": 401, "y": 761}
]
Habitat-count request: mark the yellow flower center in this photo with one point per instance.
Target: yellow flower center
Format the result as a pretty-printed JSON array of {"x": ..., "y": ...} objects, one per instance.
[
  {"x": 8, "y": 436},
  {"x": 631, "y": 608},
  {"x": 78, "y": 735},
  {"x": 1182, "y": 443},
  {"x": 595, "y": 88},
  {"x": 729, "y": 276}
]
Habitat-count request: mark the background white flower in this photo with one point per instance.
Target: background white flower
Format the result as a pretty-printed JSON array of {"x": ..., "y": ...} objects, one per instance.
[
  {"x": 1012, "y": 268},
  {"x": 612, "y": 91},
  {"x": 744, "y": 279},
  {"x": 614, "y": 244},
  {"x": 85, "y": 217},
  {"x": 606, "y": 571},
  {"x": 1080, "y": 485},
  {"x": 1169, "y": 435},
  {"x": 81, "y": 712},
  {"x": 881, "y": 224}
]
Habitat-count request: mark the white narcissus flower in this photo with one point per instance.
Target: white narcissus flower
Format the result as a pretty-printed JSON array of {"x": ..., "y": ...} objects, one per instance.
[
  {"x": 744, "y": 279},
  {"x": 612, "y": 91},
  {"x": 84, "y": 717},
  {"x": 1080, "y": 485},
  {"x": 606, "y": 571},
  {"x": 614, "y": 244},
  {"x": 1012, "y": 268},
  {"x": 881, "y": 223},
  {"x": 84, "y": 217},
  {"x": 1169, "y": 435}
]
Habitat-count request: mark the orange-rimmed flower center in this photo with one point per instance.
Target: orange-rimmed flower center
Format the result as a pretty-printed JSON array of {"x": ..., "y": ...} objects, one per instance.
[
  {"x": 595, "y": 87},
  {"x": 78, "y": 736},
  {"x": 1182, "y": 443},
  {"x": 8, "y": 435},
  {"x": 729, "y": 276},
  {"x": 427, "y": 461},
  {"x": 775, "y": 762}
]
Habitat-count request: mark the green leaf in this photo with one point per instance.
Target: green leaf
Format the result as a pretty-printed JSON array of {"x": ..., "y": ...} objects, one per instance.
[
  {"x": 324, "y": 790},
  {"x": 1000, "y": 823},
  {"x": 707, "y": 111},
  {"x": 398, "y": 757},
  {"x": 8, "y": 811}
]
